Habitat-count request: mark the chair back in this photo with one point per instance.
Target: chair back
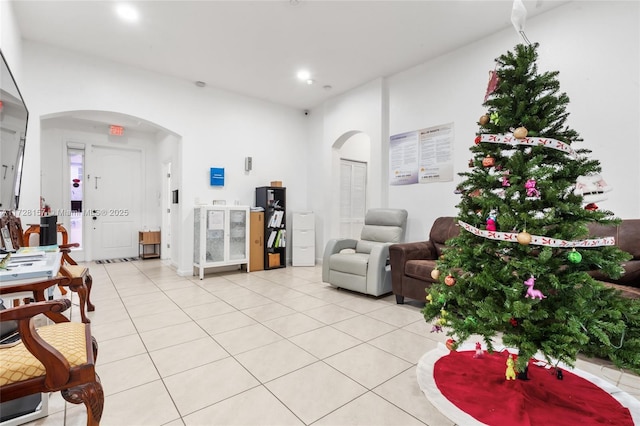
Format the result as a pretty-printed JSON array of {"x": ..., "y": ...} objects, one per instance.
[{"x": 382, "y": 226}]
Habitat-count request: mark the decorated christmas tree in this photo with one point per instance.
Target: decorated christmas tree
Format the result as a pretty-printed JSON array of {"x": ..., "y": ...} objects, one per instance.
[{"x": 518, "y": 271}]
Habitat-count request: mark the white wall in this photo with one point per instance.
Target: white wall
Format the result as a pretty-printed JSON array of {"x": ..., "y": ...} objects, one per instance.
[
  {"x": 217, "y": 129},
  {"x": 594, "y": 45}
]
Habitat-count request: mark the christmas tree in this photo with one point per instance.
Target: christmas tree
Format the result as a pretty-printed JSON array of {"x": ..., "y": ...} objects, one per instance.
[{"x": 518, "y": 270}]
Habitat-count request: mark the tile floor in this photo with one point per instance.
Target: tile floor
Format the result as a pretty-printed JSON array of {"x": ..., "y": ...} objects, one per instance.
[{"x": 273, "y": 347}]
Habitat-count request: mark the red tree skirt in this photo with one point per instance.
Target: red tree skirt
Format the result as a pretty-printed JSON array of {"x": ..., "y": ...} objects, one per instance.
[{"x": 478, "y": 388}]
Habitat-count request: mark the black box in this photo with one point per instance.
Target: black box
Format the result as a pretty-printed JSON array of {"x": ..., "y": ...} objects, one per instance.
[{"x": 48, "y": 230}]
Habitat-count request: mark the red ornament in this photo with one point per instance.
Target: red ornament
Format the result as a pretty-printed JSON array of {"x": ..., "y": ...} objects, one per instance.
[
  {"x": 492, "y": 85},
  {"x": 488, "y": 161},
  {"x": 449, "y": 280},
  {"x": 450, "y": 344},
  {"x": 477, "y": 140},
  {"x": 591, "y": 207},
  {"x": 513, "y": 322}
]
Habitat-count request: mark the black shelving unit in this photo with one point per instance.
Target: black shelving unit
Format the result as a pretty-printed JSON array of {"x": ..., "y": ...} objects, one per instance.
[{"x": 273, "y": 199}]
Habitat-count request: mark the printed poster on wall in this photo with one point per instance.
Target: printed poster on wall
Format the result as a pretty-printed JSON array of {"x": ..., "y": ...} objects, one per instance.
[
  {"x": 436, "y": 156},
  {"x": 403, "y": 159},
  {"x": 421, "y": 156}
]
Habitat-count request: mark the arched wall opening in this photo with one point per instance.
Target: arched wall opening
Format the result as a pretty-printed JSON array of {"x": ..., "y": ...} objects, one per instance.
[
  {"x": 85, "y": 165},
  {"x": 351, "y": 149}
]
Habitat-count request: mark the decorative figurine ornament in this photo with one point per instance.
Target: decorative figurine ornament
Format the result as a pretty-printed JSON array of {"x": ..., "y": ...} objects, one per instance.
[{"x": 532, "y": 292}]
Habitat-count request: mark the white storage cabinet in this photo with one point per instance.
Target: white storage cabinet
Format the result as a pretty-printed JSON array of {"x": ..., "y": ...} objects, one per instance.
[
  {"x": 303, "y": 252},
  {"x": 221, "y": 237}
]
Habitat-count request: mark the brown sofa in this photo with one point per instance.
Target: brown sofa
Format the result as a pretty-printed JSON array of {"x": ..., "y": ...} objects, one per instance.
[{"x": 412, "y": 263}]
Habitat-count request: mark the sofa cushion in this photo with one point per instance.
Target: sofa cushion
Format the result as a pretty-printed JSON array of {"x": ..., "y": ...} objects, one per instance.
[
  {"x": 420, "y": 269},
  {"x": 443, "y": 229}
]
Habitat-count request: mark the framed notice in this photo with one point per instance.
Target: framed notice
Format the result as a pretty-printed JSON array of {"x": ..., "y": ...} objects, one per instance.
[
  {"x": 421, "y": 156},
  {"x": 216, "y": 176}
]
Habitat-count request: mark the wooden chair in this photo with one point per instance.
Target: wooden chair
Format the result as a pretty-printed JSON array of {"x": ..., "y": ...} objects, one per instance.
[
  {"x": 59, "y": 357},
  {"x": 80, "y": 280}
]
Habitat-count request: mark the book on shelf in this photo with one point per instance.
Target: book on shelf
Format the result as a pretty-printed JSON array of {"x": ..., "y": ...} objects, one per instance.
[{"x": 271, "y": 239}]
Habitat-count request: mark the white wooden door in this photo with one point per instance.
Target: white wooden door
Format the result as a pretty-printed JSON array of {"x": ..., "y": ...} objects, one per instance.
[
  {"x": 114, "y": 201},
  {"x": 353, "y": 200}
]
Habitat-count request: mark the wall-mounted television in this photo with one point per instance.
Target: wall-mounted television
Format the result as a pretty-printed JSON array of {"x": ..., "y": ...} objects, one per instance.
[{"x": 13, "y": 131}]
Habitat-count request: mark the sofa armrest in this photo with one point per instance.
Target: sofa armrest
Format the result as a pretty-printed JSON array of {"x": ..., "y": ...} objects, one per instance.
[
  {"x": 334, "y": 246},
  {"x": 376, "y": 270},
  {"x": 399, "y": 254}
]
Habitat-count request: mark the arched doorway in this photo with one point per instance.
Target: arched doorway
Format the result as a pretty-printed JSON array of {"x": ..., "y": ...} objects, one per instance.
[
  {"x": 351, "y": 158},
  {"x": 106, "y": 184}
]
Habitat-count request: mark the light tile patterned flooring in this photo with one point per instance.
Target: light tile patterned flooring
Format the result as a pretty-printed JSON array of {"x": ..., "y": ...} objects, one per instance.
[{"x": 275, "y": 347}]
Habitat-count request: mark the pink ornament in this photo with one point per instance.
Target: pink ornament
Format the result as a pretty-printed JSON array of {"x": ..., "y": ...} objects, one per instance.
[
  {"x": 532, "y": 191},
  {"x": 532, "y": 292},
  {"x": 505, "y": 179},
  {"x": 491, "y": 221}
]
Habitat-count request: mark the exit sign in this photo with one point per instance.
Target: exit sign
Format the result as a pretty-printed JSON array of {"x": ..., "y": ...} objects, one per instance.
[{"x": 116, "y": 130}]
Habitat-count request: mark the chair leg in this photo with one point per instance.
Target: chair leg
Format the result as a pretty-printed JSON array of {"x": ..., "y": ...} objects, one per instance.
[
  {"x": 399, "y": 299},
  {"x": 91, "y": 395},
  {"x": 89, "y": 282},
  {"x": 63, "y": 290}
]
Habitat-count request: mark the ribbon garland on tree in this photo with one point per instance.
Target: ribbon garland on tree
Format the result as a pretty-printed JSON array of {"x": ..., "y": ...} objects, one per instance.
[
  {"x": 537, "y": 239},
  {"x": 509, "y": 139}
]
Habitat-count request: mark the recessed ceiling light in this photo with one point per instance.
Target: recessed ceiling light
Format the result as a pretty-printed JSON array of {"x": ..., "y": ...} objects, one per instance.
[
  {"x": 127, "y": 12},
  {"x": 310, "y": 81},
  {"x": 304, "y": 75}
]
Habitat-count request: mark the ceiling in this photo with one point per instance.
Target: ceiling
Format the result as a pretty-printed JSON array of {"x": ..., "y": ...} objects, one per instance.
[{"x": 256, "y": 47}]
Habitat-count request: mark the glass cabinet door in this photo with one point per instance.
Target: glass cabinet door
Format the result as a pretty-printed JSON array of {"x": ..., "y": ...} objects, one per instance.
[
  {"x": 215, "y": 235},
  {"x": 237, "y": 234}
]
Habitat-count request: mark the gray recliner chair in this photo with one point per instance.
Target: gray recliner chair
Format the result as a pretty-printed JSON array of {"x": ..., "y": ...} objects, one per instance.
[{"x": 364, "y": 268}]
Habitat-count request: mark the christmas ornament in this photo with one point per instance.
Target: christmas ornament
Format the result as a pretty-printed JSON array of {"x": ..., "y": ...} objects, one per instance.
[
  {"x": 492, "y": 85},
  {"x": 513, "y": 322},
  {"x": 591, "y": 207},
  {"x": 592, "y": 188},
  {"x": 488, "y": 161},
  {"x": 435, "y": 274},
  {"x": 494, "y": 118},
  {"x": 509, "y": 139},
  {"x": 574, "y": 256},
  {"x": 471, "y": 163},
  {"x": 477, "y": 140},
  {"x": 532, "y": 292},
  {"x": 436, "y": 328},
  {"x": 441, "y": 299},
  {"x": 484, "y": 120},
  {"x": 451, "y": 344},
  {"x": 510, "y": 373},
  {"x": 530, "y": 186},
  {"x": 479, "y": 352},
  {"x": 505, "y": 178},
  {"x": 520, "y": 133},
  {"x": 470, "y": 321},
  {"x": 491, "y": 221},
  {"x": 449, "y": 280},
  {"x": 524, "y": 238},
  {"x": 429, "y": 298}
]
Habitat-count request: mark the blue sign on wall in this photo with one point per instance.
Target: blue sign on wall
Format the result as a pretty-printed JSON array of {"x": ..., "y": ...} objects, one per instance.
[{"x": 217, "y": 176}]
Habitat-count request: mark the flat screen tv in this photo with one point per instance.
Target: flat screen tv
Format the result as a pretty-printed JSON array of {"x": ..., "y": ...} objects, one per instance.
[{"x": 13, "y": 132}]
